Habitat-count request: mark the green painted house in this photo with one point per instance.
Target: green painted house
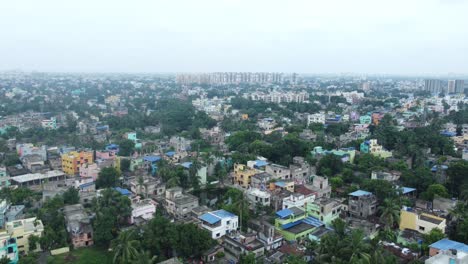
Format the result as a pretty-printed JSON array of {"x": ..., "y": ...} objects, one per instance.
[{"x": 294, "y": 223}]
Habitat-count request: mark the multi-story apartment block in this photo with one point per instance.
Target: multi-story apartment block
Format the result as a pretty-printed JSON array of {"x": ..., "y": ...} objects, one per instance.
[
  {"x": 219, "y": 223},
  {"x": 325, "y": 209},
  {"x": 372, "y": 147},
  {"x": 243, "y": 174},
  {"x": 22, "y": 229},
  {"x": 297, "y": 200},
  {"x": 318, "y": 118},
  {"x": 257, "y": 196},
  {"x": 78, "y": 225},
  {"x": 179, "y": 204},
  {"x": 142, "y": 209},
  {"x": 278, "y": 172},
  {"x": 72, "y": 161},
  {"x": 362, "y": 204}
]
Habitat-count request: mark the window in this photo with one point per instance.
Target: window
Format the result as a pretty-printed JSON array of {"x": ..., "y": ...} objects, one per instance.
[
  {"x": 228, "y": 222},
  {"x": 218, "y": 234},
  {"x": 20, "y": 237},
  {"x": 22, "y": 246},
  {"x": 421, "y": 228}
]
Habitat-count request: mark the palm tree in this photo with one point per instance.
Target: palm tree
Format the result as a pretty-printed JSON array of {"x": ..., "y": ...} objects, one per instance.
[
  {"x": 390, "y": 212},
  {"x": 141, "y": 184},
  {"x": 125, "y": 247},
  {"x": 144, "y": 257},
  {"x": 358, "y": 247}
]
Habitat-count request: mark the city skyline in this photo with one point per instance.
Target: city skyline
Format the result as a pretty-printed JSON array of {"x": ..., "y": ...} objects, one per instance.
[{"x": 395, "y": 38}]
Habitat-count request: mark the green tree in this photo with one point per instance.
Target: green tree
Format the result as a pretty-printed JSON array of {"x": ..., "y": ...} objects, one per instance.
[
  {"x": 33, "y": 241},
  {"x": 107, "y": 177},
  {"x": 124, "y": 165},
  {"x": 126, "y": 147},
  {"x": 125, "y": 247},
  {"x": 435, "y": 190},
  {"x": 329, "y": 165},
  {"x": 145, "y": 257},
  {"x": 71, "y": 196},
  {"x": 247, "y": 259},
  {"x": 389, "y": 213},
  {"x": 4, "y": 260}
]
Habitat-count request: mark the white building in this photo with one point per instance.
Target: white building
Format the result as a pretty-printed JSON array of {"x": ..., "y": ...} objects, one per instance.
[
  {"x": 297, "y": 200},
  {"x": 316, "y": 118},
  {"x": 257, "y": 196},
  {"x": 142, "y": 208},
  {"x": 219, "y": 223}
]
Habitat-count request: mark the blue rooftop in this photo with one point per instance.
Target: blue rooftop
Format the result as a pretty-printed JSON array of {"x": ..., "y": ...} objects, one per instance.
[
  {"x": 260, "y": 163},
  {"x": 284, "y": 213},
  {"x": 209, "y": 218},
  {"x": 170, "y": 153},
  {"x": 313, "y": 221},
  {"x": 152, "y": 158},
  {"x": 223, "y": 214},
  {"x": 406, "y": 190},
  {"x": 186, "y": 165},
  {"x": 84, "y": 185},
  {"x": 123, "y": 191},
  {"x": 360, "y": 193},
  {"x": 446, "y": 244}
]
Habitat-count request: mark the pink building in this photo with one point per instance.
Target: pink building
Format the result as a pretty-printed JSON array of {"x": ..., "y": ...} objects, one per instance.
[
  {"x": 89, "y": 171},
  {"x": 105, "y": 155}
]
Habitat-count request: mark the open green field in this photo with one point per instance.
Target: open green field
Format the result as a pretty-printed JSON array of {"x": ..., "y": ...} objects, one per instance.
[{"x": 90, "y": 255}]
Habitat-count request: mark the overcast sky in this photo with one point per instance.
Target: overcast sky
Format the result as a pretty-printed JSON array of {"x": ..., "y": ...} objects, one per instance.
[{"x": 309, "y": 36}]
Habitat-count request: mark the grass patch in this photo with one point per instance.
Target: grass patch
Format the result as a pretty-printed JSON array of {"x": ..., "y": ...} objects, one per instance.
[{"x": 91, "y": 255}]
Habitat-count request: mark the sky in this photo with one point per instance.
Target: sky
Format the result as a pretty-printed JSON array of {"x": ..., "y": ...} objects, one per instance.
[{"x": 304, "y": 36}]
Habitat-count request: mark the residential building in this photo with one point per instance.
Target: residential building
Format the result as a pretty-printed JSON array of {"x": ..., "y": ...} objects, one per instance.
[
  {"x": 326, "y": 209},
  {"x": 390, "y": 176},
  {"x": 362, "y": 204},
  {"x": 258, "y": 197},
  {"x": 133, "y": 137},
  {"x": 372, "y": 147},
  {"x": 433, "y": 86},
  {"x": 420, "y": 221},
  {"x": 282, "y": 185},
  {"x": 219, "y": 223},
  {"x": 72, "y": 161},
  {"x": 8, "y": 247},
  {"x": 4, "y": 178},
  {"x": 297, "y": 200},
  {"x": 266, "y": 233},
  {"x": 320, "y": 187},
  {"x": 243, "y": 244},
  {"x": 448, "y": 257},
  {"x": 89, "y": 171},
  {"x": 9, "y": 212},
  {"x": 49, "y": 123},
  {"x": 22, "y": 229},
  {"x": 79, "y": 225},
  {"x": 365, "y": 119},
  {"x": 294, "y": 223},
  {"x": 345, "y": 154},
  {"x": 142, "y": 210},
  {"x": 300, "y": 170},
  {"x": 179, "y": 204},
  {"x": 278, "y": 172},
  {"x": 243, "y": 175},
  {"x": 151, "y": 186},
  {"x": 318, "y": 118},
  {"x": 447, "y": 244}
]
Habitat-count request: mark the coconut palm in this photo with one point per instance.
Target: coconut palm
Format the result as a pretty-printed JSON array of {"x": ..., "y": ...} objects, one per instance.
[
  {"x": 125, "y": 247},
  {"x": 144, "y": 257},
  {"x": 390, "y": 212}
]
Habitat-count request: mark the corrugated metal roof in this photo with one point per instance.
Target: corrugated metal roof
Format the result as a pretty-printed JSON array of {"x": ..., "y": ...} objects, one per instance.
[
  {"x": 211, "y": 219},
  {"x": 360, "y": 193},
  {"x": 123, "y": 191},
  {"x": 284, "y": 213},
  {"x": 446, "y": 244},
  {"x": 223, "y": 214},
  {"x": 152, "y": 158},
  {"x": 313, "y": 221}
]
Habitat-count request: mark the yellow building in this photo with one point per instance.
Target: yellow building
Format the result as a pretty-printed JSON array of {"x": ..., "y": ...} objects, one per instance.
[
  {"x": 22, "y": 229},
  {"x": 243, "y": 174},
  {"x": 72, "y": 161},
  {"x": 420, "y": 221}
]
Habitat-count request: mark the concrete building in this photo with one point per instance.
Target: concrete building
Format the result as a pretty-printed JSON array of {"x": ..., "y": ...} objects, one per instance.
[
  {"x": 294, "y": 223},
  {"x": 151, "y": 186},
  {"x": 320, "y": 187},
  {"x": 8, "y": 248},
  {"x": 372, "y": 147},
  {"x": 448, "y": 257},
  {"x": 72, "y": 161},
  {"x": 278, "y": 172},
  {"x": 243, "y": 244},
  {"x": 420, "y": 221},
  {"x": 78, "y": 225},
  {"x": 362, "y": 204},
  {"x": 298, "y": 200},
  {"x": 447, "y": 244},
  {"x": 34, "y": 179},
  {"x": 243, "y": 175},
  {"x": 318, "y": 118},
  {"x": 4, "y": 178},
  {"x": 9, "y": 212},
  {"x": 178, "y": 204},
  {"x": 142, "y": 210},
  {"x": 219, "y": 223},
  {"x": 89, "y": 171},
  {"x": 22, "y": 229},
  {"x": 326, "y": 209},
  {"x": 300, "y": 170},
  {"x": 433, "y": 86},
  {"x": 257, "y": 196}
]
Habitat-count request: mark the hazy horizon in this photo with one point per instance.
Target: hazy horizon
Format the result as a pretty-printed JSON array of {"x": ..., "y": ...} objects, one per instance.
[{"x": 410, "y": 38}]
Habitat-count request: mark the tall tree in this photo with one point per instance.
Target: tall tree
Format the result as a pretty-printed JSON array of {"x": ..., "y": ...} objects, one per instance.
[{"x": 125, "y": 247}]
